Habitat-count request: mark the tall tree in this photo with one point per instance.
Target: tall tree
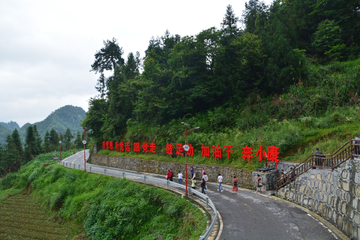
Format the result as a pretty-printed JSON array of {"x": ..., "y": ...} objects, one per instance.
[
  {"x": 101, "y": 85},
  {"x": 38, "y": 141},
  {"x": 54, "y": 139},
  {"x": 30, "y": 144},
  {"x": 229, "y": 23},
  {"x": 108, "y": 57},
  {"x": 67, "y": 138},
  {"x": 47, "y": 142},
  {"x": 78, "y": 140}
]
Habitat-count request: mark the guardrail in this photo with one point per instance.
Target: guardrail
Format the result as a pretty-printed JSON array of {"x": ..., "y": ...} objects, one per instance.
[{"x": 159, "y": 181}]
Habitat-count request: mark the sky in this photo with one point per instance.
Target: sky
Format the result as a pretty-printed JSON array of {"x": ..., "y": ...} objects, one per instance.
[{"x": 47, "y": 46}]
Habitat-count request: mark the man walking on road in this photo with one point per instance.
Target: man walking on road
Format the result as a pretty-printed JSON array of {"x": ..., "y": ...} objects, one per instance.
[
  {"x": 180, "y": 176},
  {"x": 220, "y": 179}
]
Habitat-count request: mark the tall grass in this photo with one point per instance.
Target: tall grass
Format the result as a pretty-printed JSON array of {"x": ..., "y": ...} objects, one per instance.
[{"x": 105, "y": 207}]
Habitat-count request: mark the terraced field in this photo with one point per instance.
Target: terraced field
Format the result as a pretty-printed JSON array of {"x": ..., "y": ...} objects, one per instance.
[{"x": 20, "y": 218}]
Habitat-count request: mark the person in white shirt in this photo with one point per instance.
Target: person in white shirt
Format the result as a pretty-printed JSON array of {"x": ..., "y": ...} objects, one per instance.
[
  {"x": 205, "y": 177},
  {"x": 220, "y": 179},
  {"x": 180, "y": 176}
]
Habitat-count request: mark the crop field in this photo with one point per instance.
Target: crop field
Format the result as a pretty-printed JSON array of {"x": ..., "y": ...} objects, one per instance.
[{"x": 20, "y": 218}]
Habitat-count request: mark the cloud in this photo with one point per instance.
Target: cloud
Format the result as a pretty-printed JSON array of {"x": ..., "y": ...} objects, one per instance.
[{"x": 47, "y": 47}]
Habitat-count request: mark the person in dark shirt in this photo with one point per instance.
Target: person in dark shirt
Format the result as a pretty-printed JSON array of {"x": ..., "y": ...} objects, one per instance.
[
  {"x": 356, "y": 147},
  {"x": 319, "y": 157}
]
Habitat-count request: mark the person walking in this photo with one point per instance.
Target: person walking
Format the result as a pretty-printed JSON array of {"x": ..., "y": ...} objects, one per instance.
[
  {"x": 204, "y": 173},
  {"x": 205, "y": 177},
  {"x": 220, "y": 180},
  {"x": 259, "y": 184},
  {"x": 192, "y": 172},
  {"x": 193, "y": 182},
  {"x": 171, "y": 174},
  {"x": 180, "y": 176},
  {"x": 202, "y": 186},
  {"x": 168, "y": 175},
  {"x": 319, "y": 158},
  {"x": 356, "y": 147},
  {"x": 235, "y": 185}
]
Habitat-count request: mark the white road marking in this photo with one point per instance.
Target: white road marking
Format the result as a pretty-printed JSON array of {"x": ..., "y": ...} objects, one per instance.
[{"x": 332, "y": 233}]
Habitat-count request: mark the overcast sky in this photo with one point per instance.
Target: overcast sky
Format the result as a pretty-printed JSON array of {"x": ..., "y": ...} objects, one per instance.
[{"x": 48, "y": 46}]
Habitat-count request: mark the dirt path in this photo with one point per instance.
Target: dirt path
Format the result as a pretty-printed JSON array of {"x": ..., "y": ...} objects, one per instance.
[{"x": 20, "y": 218}]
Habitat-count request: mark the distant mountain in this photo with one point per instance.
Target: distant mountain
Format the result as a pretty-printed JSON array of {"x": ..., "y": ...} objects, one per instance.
[
  {"x": 61, "y": 119},
  {"x": 10, "y": 125},
  {"x": 4, "y": 131}
]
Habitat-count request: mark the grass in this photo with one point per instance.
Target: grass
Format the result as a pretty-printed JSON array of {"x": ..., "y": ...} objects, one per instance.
[
  {"x": 297, "y": 139},
  {"x": 102, "y": 207}
]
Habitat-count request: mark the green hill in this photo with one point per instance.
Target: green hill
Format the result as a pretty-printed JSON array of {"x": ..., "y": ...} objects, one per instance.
[{"x": 61, "y": 119}]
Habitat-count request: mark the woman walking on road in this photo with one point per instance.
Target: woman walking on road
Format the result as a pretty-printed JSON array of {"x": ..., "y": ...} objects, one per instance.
[
  {"x": 259, "y": 184},
  {"x": 220, "y": 179},
  {"x": 235, "y": 185},
  {"x": 168, "y": 175}
]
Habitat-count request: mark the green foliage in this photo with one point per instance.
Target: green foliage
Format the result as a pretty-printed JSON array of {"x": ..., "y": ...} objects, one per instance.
[{"x": 108, "y": 208}]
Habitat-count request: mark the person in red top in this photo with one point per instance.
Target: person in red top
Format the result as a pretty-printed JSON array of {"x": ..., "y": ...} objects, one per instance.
[
  {"x": 235, "y": 185},
  {"x": 171, "y": 174},
  {"x": 168, "y": 175}
]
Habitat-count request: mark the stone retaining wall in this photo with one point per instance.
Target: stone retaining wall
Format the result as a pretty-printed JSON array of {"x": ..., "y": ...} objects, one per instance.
[
  {"x": 158, "y": 167},
  {"x": 332, "y": 195}
]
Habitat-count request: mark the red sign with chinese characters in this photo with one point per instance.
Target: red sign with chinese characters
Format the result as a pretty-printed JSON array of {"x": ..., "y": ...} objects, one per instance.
[{"x": 272, "y": 153}]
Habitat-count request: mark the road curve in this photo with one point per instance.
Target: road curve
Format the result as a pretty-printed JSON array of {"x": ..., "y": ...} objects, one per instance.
[{"x": 249, "y": 215}]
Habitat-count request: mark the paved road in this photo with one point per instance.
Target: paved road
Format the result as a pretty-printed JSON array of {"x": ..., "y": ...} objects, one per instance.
[{"x": 248, "y": 215}]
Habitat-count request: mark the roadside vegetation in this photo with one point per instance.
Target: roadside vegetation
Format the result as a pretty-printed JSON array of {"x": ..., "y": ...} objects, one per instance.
[
  {"x": 289, "y": 78},
  {"x": 102, "y": 207},
  {"x": 325, "y": 115}
]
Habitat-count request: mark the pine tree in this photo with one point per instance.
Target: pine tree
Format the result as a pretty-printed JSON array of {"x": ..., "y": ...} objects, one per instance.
[
  {"x": 67, "y": 139},
  {"x": 47, "y": 142},
  {"x": 54, "y": 139},
  {"x": 229, "y": 24},
  {"x": 38, "y": 141},
  {"x": 78, "y": 140},
  {"x": 30, "y": 144}
]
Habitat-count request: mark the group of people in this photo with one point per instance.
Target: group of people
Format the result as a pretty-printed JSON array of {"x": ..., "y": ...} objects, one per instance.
[{"x": 204, "y": 179}]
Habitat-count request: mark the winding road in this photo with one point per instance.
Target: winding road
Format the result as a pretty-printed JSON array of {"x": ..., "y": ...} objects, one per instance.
[{"x": 250, "y": 215}]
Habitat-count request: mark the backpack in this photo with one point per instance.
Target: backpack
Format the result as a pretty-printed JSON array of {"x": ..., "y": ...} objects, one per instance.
[{"x": 235, "y": 183}]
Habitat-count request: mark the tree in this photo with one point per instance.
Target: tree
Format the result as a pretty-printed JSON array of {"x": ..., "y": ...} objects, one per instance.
[
  {"x": 229, "y": 23},
  {"x": 15, "y": 138},
  {"x": 327, "y": 36},
  {"x": 131, "y": 68},
  {"x": 11, "y": 158},
  {"x": 54, "y": 139},
  {"x": 101, "y": 85},
  {"x": 67, "y": 138},
  {"x": 47, "y": 142},
  {"x": 108, "y": 57},
  {"x": 38, "y": 141},
  {"x": 30, "y": 144},
  {"x": 78, "y": 140},
  {"x": 254, "y": 16},
  {"x": 95, "y": 117}
]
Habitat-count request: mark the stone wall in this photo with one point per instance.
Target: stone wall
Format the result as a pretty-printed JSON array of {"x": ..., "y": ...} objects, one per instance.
[
  {"x": 332, "y": 195},
  {"x": 158, "y": 167}
]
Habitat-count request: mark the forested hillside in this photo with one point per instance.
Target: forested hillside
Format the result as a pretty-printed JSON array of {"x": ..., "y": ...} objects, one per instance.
[
  {"x": 61, "y": 119},
  {"x": 295, "y": 60},
  {"x": 21, "y": 146}
]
